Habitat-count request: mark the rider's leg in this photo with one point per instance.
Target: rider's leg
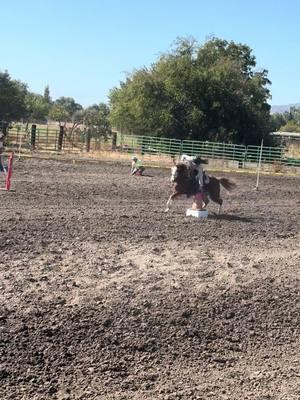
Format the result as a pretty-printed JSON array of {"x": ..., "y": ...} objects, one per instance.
[{"x": 205, "y": 178}]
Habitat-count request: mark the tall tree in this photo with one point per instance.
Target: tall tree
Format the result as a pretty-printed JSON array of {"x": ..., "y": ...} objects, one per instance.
[
  {"x": 47, "y": 96},
  {"x": 277, "y": 121},
  {"x": 37, "y": 107},
  {"x": 69, "y": 104},
  {"x": 96, "y": 120},
  {"x": 12, "y": 99},
  {"x": 60, "y": 114},
  {"x": 63, "y": 109},
  {"x": 208, "y": 92},
  {"x": 289, "y": 121}
]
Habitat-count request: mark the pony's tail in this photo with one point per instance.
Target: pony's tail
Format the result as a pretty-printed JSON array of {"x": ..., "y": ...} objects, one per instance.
[{"x": 227, "y": 184}]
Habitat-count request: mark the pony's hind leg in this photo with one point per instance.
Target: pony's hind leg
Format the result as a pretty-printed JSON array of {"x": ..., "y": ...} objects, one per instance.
[
  {"x": 205, "y": 200},
  {"x": 219, "y": 201}
]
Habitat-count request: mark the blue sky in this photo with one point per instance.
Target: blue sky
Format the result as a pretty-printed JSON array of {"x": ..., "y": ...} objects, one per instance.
[{"x": 82, "y": 49}]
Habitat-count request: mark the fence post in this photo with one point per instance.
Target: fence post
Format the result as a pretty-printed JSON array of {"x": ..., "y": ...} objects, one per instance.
[
  {"x": 181, "y": 147},
  {"x": 88, "y": 140},
  {"x": 245, "y": 156},
  {"x": 60, "y": 138},
  {"x": 143, "y": 145},
  {"x": 33, "y": 136},
  {"x": 114, "y": 141}
]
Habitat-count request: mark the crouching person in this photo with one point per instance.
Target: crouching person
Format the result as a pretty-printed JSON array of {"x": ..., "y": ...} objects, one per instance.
[{"x": 137, "y": 167}]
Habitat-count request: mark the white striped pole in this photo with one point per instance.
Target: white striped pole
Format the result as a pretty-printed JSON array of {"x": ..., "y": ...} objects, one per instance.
[{"x": 259, "y": 164}]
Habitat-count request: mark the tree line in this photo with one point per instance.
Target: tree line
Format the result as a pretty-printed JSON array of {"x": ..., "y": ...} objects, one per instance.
[
  {"x": 211, "y": 91},
  {"x": 288, "y": 121},
  {"x": 17, "y": 103}
]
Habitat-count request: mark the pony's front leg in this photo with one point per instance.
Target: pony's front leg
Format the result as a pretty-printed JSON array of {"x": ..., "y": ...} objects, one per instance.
[{"x": 170, "y": 199}]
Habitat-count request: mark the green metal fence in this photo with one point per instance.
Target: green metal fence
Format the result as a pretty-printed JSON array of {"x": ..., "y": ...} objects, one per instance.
[
  {"x": 47, "y": 139},
  {"x": 149, "y": 145},
  {"x": 213, "y": 150},
  {"x": 269, "y": 154}
]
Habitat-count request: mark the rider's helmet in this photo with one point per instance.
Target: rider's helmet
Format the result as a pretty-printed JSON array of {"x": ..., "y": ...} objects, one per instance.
[
  {"x": 134, "y": 158},
  {"x": 185, "y": 157}
]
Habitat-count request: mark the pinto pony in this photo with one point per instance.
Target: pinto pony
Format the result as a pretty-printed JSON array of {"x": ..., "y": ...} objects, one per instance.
[{"x": 185, "y": 183}]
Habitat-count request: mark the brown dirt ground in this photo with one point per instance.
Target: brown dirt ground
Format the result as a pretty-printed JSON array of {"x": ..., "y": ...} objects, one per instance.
[{"x": 105, "y": 296}]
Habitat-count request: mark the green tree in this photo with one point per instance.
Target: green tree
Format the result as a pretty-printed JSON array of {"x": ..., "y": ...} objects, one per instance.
[
  {"x": 63, "y": 110},
  {"x": 290, "y": 126},
  {"x": 37, "y": 107},
  {"x": 47, "y": 96},
  {"x": 208, "y": 92},
  {"x": 289, "y": 121},
  {"x": 96, "y": 120},
  {"x": 277, "y": 120},
  {"x": 295, "y": 114},
  {"x": 12, "y": 99},
  {"x": 60, "y": 114},
  {"x": 69, "y": 104}
]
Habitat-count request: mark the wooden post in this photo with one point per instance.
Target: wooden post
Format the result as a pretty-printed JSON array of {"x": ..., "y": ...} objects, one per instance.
[
  {"x": 114, "y": 141},
  {"x": 88, "y": 140},
  {"x": 33, "y": 136},
  {"x": 60, "y": 138}
]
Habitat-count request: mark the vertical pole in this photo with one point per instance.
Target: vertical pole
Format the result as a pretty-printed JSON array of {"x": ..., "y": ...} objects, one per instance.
[
  {"x": 259, "y": 164},
  {"x": 114, "y": 141},
  {"x": 88, "y": 140},
  {"x": 120, "y": 139},
  {"x": 60, "y": 138},
  {"x": 9, "y": 172},
  {"x": 20, "y": 146},
  {"x": 33, "y": 136}
]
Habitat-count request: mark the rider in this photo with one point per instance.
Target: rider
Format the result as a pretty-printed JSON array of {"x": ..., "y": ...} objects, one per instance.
[
  {"x": 195, "y": 163},
  {"x": 136, "y": 166}
]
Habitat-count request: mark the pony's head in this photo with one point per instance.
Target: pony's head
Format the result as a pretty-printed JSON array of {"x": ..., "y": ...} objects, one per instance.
[{"x": 177, "y": 171}]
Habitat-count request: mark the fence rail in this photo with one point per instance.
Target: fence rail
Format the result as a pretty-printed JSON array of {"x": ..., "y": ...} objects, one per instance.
[
  {"x": 49, "y": 140},
  {"x": 242, "y": 156}
]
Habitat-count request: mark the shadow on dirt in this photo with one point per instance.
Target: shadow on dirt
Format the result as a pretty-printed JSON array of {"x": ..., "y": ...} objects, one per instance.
[
  {"x": 147, "y": 176},
  {"x": 228, "y": 217}
]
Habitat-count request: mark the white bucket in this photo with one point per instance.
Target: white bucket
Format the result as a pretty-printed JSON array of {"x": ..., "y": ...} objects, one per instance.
[{"x": 196, "y": 213}]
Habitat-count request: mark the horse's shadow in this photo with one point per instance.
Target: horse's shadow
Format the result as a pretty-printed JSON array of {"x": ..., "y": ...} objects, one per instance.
[{"x": 230, "y": 217}]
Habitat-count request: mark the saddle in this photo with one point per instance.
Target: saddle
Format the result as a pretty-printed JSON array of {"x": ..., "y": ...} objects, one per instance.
[{"x": 195, "y": 183}]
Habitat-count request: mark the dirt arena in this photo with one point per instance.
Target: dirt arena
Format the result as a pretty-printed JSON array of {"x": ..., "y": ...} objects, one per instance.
[{"x": 105, "y": 296}]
